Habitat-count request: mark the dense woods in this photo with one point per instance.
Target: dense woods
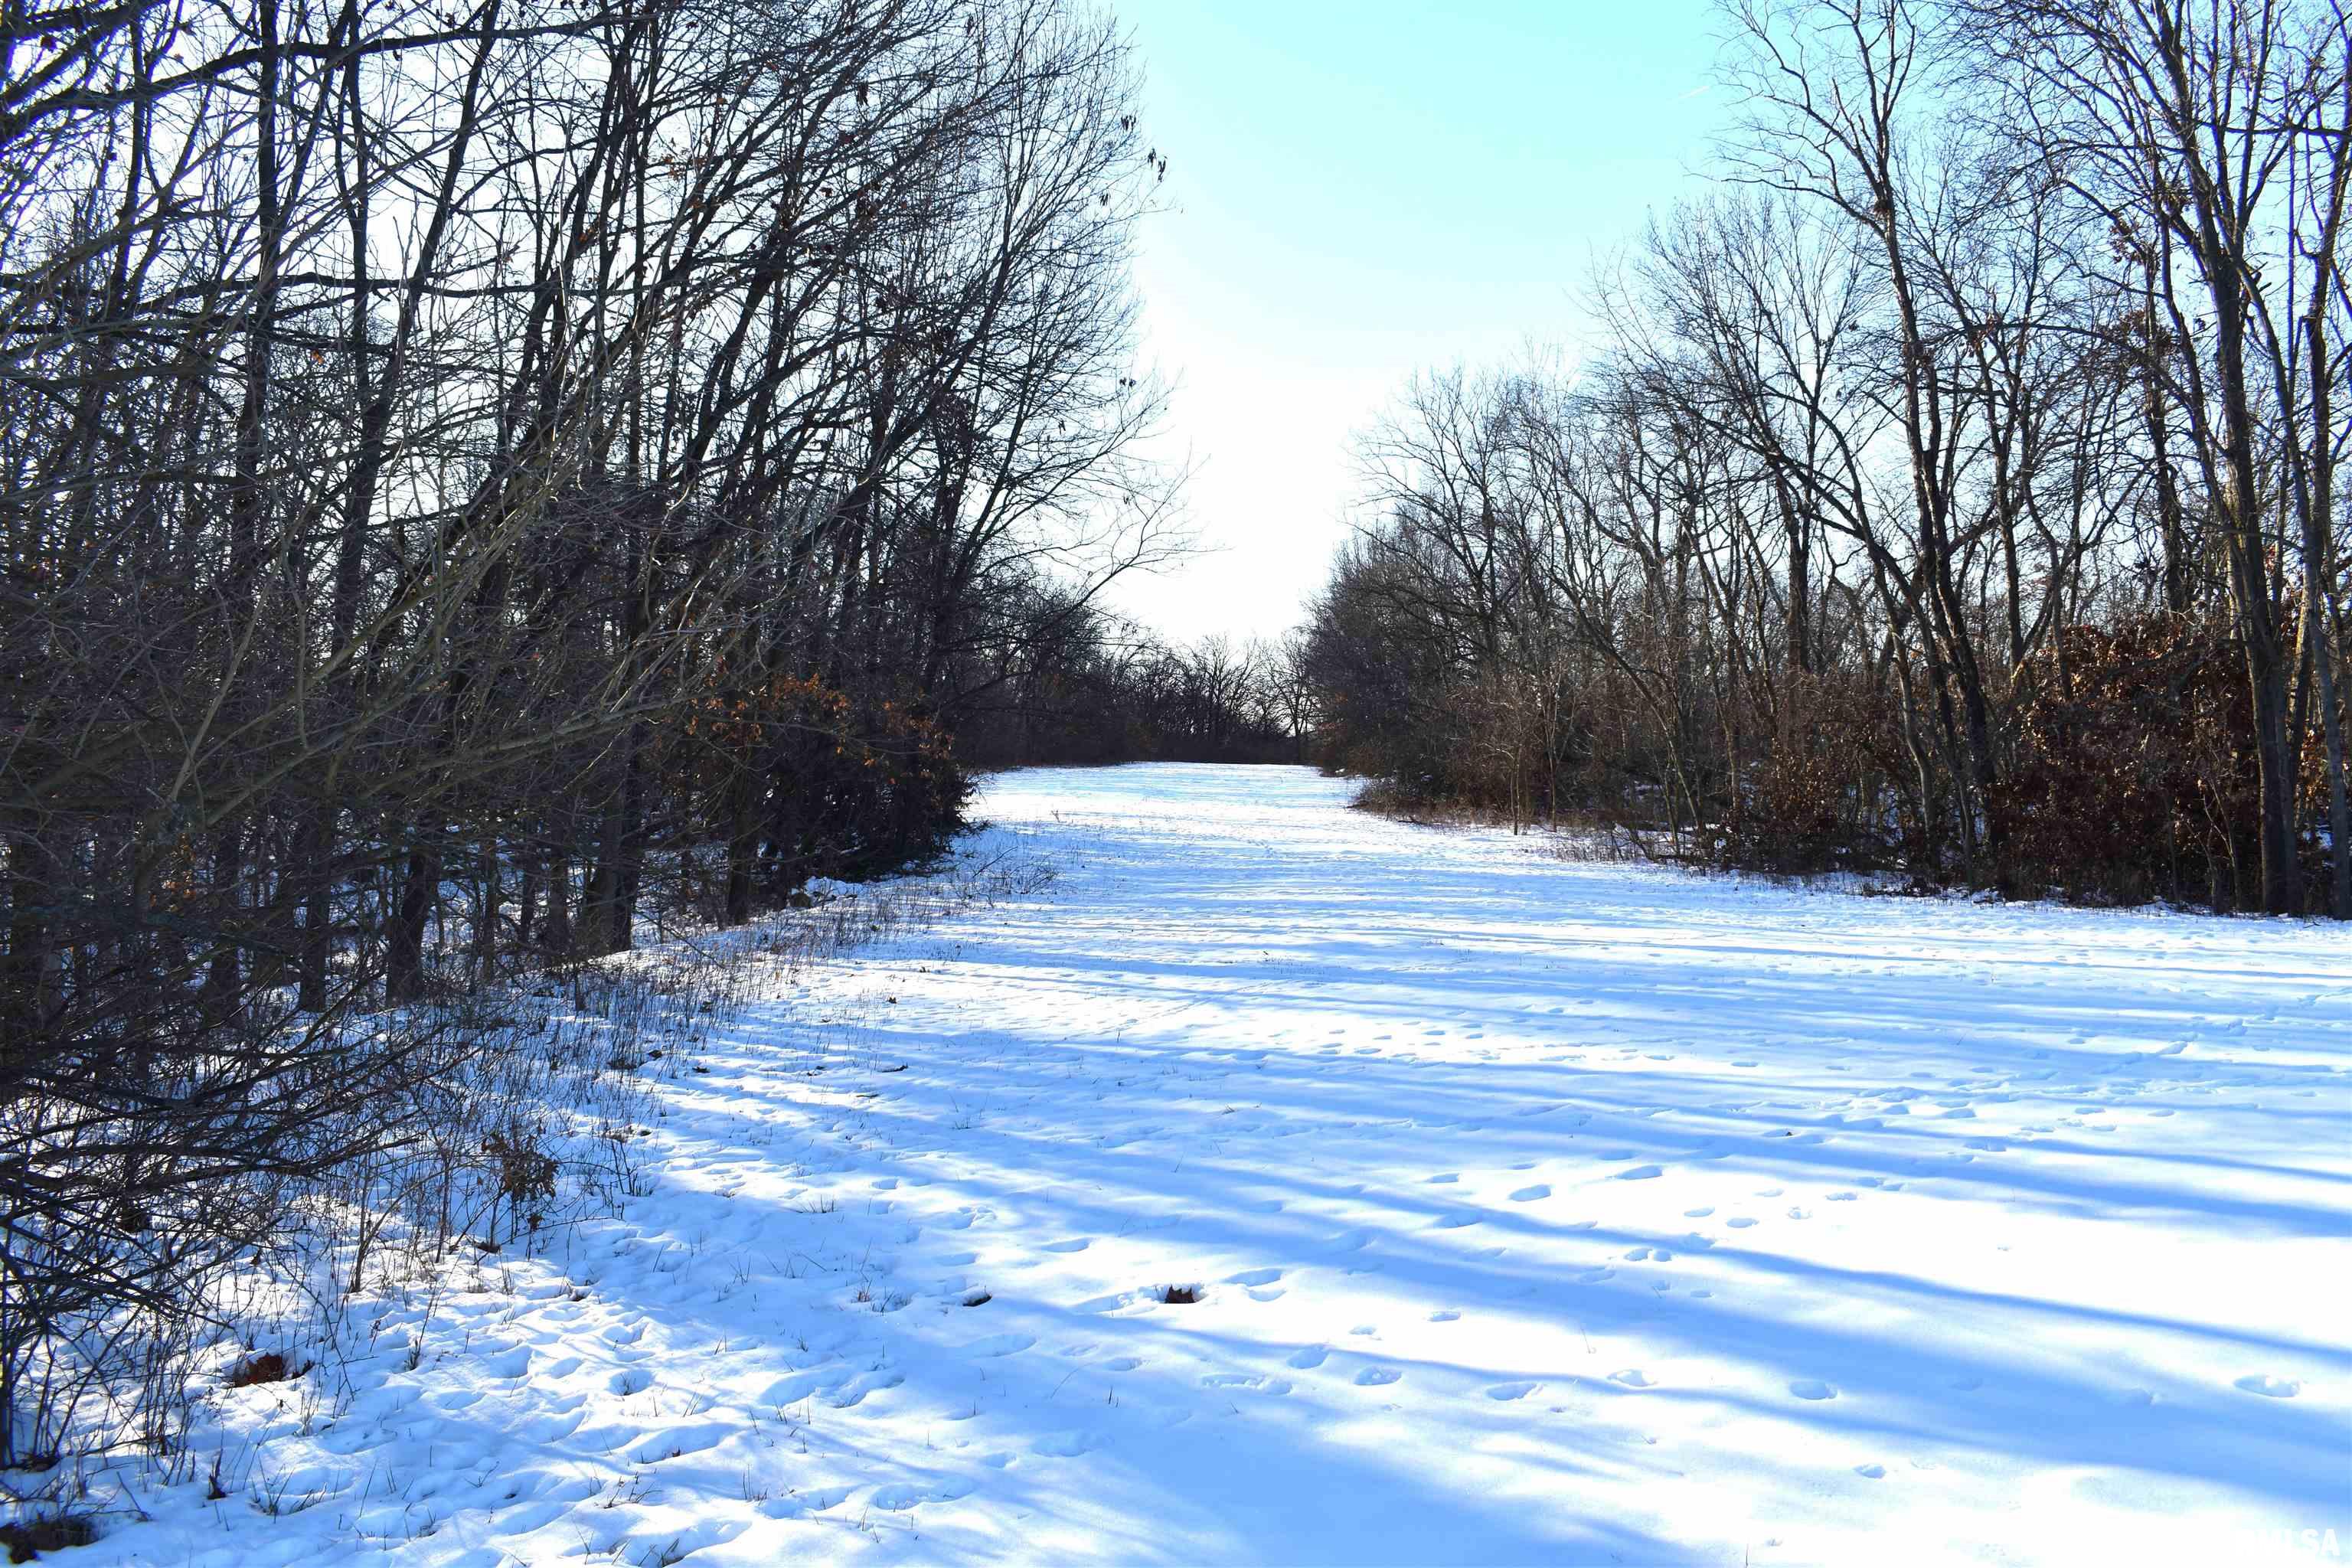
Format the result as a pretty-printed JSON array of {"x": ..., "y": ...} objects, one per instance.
[
  {"x": 476, "y": 480},
  {"x": 1958, "y": 490}
]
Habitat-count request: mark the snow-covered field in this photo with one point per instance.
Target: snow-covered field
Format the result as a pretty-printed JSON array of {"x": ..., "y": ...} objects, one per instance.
[{"x": 1539, "y": 1212}]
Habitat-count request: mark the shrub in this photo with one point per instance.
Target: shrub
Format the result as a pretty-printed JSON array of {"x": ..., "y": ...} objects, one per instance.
[{"x": 2135, "y": 775}]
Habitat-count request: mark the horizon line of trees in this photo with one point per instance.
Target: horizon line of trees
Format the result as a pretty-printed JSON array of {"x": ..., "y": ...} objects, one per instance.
[
  {"x": 1110, "y": 691},
  {"x": 1957, "y": 487}
]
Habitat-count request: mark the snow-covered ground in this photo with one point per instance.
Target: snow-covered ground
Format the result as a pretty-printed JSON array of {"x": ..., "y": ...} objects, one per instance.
[{"x": 1539, "y": 1213}]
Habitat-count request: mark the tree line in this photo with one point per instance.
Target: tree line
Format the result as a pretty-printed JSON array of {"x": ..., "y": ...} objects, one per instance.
[
  {"x": 1109, "y": 691},
  {"x": 1955, "y": 486},
  {"x": 478, "y": 477}
]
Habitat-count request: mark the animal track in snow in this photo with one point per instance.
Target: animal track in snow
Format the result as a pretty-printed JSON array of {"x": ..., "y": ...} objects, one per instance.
[
  {"x": 2268, "y": 1386},
  {"x": 677, "y": 1442},
  {"x": 1000, "y": 1345},
  {"x": 854, "y": 1391},
  {"x": 1254, "y": 1382}
]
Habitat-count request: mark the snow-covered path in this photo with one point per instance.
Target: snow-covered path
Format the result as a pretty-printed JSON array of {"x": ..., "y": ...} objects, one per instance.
[{"x": 1540, "y": 1212}]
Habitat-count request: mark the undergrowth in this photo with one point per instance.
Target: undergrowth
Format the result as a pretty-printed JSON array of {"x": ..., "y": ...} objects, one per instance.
[{"x": 537, "y": 1117}]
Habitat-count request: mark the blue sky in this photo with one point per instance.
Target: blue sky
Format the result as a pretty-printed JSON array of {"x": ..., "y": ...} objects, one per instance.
[{"x": 1360, "y": 191}]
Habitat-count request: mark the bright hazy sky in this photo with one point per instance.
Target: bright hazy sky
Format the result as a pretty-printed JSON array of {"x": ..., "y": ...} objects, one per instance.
[{"x": 1361, "y": 190}]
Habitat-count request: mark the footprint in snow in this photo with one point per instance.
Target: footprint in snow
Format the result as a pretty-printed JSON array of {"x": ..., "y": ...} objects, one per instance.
[
  {"x": 1812, "y": 1388},
  {"x": 1740, "y": 1222},
  {"x": 677, "y": 1442},
  {"x": 854, "y": 1391},
  {"x": 1000, "y": 1344},
  {"x": 1633, "y": 1377},
  {"x": 1310, "y": 1358},
  {"x": 1455, "y": 1221},
  {"x": 1508, "y": 1391},
  {"x": 1870, "y": 1472},
  {"x": 1445, "y": 1315},
  {"x": 1448, "y": 1176},
  {"x": 1699, "y": 1213},
  {"x": 1640, "y": 1174},
  {"x": 1077, "y": 1244},
  {"x": 1530, "y": 1193},
  {"x": 899, "y": 1499},
  {"x": 2270, "y": 1387},
  {"x": 1254, "y": 1277},
  {"x": 1122, "y": 1363},
  {"x": 800, "y": 1385},
  {"x": 1377, "y": 1376},
  {"x": 1254, "y": 1382}
]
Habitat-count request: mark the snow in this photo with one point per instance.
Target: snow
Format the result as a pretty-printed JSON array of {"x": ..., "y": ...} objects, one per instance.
[{"x": 1538, "y": 1211}]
